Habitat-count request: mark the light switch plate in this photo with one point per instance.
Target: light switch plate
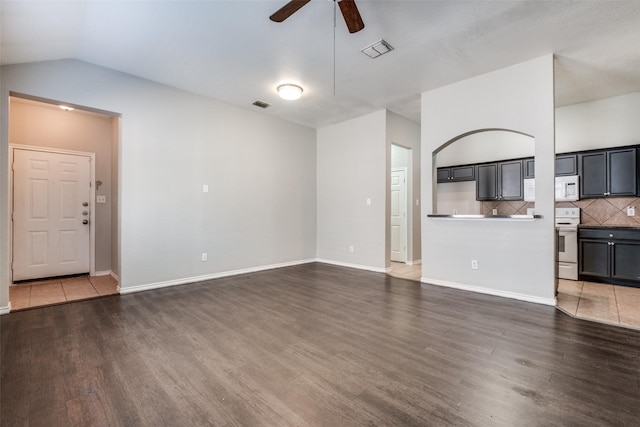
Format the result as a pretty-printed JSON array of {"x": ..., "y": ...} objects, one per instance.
[
  {"x": 631, "y": 211},
  {"x": 101, "y": 199}
]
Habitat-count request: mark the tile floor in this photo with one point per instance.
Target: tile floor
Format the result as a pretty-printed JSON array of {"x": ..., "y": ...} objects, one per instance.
[
  {"x": 599, "y": 302},
  {"x": 406, "y": 271},
  {"x": 60, "y": 290}
]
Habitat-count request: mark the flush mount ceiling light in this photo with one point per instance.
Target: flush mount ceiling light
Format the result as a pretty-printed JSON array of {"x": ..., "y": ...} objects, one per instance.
[
  {"x": 66, "y": 107},
  {"x": 376, "y": 49},
  {"x": 289, "y": 91}
]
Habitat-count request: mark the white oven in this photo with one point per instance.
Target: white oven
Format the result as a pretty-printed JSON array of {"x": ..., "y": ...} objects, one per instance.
[{"x": 567, "y": 220}]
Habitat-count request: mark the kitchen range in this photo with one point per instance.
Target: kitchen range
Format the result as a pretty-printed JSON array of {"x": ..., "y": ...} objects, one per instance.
[{"x": 567, "y": 221}]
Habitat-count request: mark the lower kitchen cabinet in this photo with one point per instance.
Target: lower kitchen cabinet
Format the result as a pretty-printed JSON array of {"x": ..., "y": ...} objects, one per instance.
[{"x": 610, "y": 255}]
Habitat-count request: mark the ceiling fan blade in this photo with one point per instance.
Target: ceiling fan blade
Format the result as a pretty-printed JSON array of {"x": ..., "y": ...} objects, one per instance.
[
  {"x": 351, "y": 15},
  {"x": 287, "y": 10}
]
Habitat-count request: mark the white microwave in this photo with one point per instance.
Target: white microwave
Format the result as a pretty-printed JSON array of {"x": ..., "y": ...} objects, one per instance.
[{"x": 567, "y": 189}]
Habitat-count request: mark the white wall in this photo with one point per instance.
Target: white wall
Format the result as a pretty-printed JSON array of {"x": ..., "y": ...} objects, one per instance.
[
  {"x": 459, "y": 197},
  {"x": 516, "y": 259},
  {"x": 405, "y": 133},
  {"x": 486, "y": 147},
  {"x": 261, "y": 206},
  {"x": 609, "y": 122},
  {"x": 43, "y": 125},
  {"x": 352, "y": 164}
]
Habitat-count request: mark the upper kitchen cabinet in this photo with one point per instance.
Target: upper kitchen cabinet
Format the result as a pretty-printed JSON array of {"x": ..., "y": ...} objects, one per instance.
[
  {"x": 566, "y": 165},
  {"x": 529, "y": 168},
  {"x": 608, "y": 173},
  {"x": 500, "y": 181},
  {"x": 456, "y": 174}
]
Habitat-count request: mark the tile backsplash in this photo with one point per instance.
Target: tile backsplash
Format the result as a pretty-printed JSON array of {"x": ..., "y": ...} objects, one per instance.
[{"x": 610, "y": 211}]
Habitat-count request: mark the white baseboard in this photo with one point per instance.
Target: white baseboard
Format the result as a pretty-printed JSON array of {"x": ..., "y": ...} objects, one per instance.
[
  {"x": 103, "y": 273},
  {"x": 414, "y": 262},
  {"x": 187, "y": 280},
  {"x": 115, "y": 276},
  {"x": 6, "y": 309},
  {"x": 358, "y": 266},
  {"x": 489, "y": 291}
]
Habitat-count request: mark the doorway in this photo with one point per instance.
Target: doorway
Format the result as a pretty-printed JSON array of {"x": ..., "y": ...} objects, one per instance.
[
  {"x": 404, "y": 216},
  {"x": 41, "y": 125}
]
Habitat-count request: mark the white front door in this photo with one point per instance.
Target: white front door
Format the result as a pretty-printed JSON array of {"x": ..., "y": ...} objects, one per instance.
[
  {"x": 399, "y": 215},
  {"x": 51, "y": 212}
]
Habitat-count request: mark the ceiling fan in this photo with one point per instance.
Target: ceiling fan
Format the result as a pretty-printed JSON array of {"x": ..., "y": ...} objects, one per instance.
[{"x": 348, "y": 8}]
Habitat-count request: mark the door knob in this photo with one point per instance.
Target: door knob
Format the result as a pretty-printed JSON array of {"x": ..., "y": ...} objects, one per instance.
[
  {"x": 85, "y": 221},
  {"x": 85, "y": 204}
]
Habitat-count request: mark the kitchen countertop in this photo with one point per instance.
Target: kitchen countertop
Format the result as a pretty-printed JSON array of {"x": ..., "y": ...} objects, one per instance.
[{"x": 596, "y": 226}]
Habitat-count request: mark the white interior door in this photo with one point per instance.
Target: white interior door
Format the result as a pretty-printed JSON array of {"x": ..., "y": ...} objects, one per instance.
[
  {"x": 51, "y": 212},
  {"x": 399, "y": 215}
]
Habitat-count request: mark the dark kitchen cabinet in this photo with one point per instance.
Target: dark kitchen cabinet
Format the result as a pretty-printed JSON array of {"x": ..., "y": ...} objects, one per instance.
[
  {"x": 610, "y": 255},
  {"x": 608, "y": 173},
  {"x": 500, "y": 181},
  {"x": 566, "y": 165},
  {"x": 456, "y": 173},
  {"x": 529, "y": 168}
]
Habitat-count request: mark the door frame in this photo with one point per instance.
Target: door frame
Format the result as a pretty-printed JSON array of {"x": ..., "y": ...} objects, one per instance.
[
  {"x": 92, "y": 197},
  {"x": 405, "y": 219}
]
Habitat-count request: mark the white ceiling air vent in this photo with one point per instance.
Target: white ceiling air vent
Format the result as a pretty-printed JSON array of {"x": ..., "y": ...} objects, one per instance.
[
  {"x": 376, "y": 49},
  {"x": 261, "y": 104}
]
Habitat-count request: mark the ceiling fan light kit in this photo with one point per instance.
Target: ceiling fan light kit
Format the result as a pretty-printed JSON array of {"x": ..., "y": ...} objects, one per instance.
[{"x": 289, "y": 91}]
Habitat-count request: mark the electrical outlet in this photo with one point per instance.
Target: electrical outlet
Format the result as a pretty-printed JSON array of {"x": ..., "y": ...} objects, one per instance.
[
  {"x": 417, "y": 202},
  {"x": 474, "y": 264},
  {"x": 351, "y": 249},
  {"x": 204, "y": 256},
  {"x": 494, "y": 211},
  {"x": 631, "y": 211},
  {"x": 205, "y": 188},
  {"x": 368, "y": 201},
  {"x": 101, "y": 199}
]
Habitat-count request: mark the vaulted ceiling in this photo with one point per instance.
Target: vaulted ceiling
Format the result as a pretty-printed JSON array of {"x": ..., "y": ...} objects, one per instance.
[{"x": 231, "y": 51}]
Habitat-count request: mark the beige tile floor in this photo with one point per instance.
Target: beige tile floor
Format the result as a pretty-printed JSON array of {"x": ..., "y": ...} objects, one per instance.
[
  {"x": 60, "y": 290},
  {"x": 599, "y": 302},
  {"x": 406, "y": 271}
]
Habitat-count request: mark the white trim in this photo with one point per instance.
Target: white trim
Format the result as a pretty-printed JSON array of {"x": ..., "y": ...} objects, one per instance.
[
  {"x": 415, "y": 262},
  {"x": 188, "y": 280},
  {"x": 103, "y": 273},
  {"x": 6, "y": 309},
  {"x": 114, "y": 275},
  {"x": 92, "y": 197},
  {"x": 358, "y": 266},
  {"x": 488, "y": 291}
]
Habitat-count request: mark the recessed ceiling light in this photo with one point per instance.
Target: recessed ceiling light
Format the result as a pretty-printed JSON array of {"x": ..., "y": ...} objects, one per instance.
[
  {"x": 289, "y": 91},
  {"x": 66, "y": 107},
  {"x": 378, "y": 48}
]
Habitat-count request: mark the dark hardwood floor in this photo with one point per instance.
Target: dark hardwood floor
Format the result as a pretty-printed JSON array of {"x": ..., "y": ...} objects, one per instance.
[{"x": 314, "y": 345}]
